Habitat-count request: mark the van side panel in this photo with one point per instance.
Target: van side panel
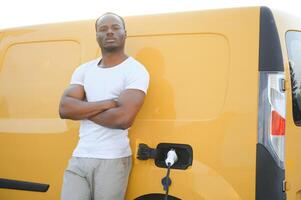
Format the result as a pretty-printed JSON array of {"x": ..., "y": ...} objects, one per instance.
[
  {"x": 203, "y": 92},
  {"x": 1, "y": 36},
  {"x": 35, "y": 67}
]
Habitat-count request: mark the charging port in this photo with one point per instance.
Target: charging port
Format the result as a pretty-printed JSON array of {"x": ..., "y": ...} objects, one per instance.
[{"x": 184, "y": 154}]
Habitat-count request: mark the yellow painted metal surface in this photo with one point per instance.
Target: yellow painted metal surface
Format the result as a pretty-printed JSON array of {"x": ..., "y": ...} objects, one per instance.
[
  {"x": 203, "y": 92},
  {"x": 36, "y": 66}
]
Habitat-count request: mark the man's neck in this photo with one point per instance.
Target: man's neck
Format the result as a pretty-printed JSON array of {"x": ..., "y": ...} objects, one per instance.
[{"x": 112, "y": 59}]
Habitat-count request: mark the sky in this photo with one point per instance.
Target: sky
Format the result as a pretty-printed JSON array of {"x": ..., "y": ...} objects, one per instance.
[{"x": 15, "y": 13}]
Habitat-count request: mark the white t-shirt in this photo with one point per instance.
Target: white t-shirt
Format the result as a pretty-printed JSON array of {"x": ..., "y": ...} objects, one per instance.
[{"x": 97, "y": 141}]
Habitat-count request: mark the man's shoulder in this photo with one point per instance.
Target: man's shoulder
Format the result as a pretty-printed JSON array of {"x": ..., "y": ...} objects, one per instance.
[
  {"x": 134, "y": 64},
  {"x": 133, "y": 61}
]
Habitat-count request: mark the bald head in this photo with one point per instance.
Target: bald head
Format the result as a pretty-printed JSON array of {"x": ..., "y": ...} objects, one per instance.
[{"x": 110, "y": 14}]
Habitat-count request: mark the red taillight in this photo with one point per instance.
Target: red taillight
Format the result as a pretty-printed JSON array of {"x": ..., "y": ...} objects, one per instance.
[
  {"x": 278, "y": 124},
  {"x": 272, "y": 112}
]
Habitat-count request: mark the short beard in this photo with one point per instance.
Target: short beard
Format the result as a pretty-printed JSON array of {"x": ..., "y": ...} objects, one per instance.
[{"x": 112, "y": 49}]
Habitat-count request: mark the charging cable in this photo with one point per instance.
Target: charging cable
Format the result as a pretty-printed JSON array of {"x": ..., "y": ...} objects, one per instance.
[{"x": 169, "y": 161}]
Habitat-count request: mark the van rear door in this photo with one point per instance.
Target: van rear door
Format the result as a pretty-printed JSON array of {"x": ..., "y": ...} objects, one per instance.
[{"x": 293, "y": 45}]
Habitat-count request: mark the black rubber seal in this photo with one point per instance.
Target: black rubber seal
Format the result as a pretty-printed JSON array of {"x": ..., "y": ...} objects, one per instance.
[
  {"x": 270, "y": 53},
  {"x": 23, "y": 185}
]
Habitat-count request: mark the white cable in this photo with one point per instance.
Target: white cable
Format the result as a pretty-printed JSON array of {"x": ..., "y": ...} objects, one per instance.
[{"x": 171, "y": 158}]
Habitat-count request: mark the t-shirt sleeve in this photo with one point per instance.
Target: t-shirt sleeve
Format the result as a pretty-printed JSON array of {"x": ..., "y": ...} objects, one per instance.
[
  {"x": 78, "y": 76},
  {"x": 138, "y": 79}
]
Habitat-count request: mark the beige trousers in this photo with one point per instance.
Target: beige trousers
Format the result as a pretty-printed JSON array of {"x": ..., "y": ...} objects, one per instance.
[{"x": 96, "y": 179}]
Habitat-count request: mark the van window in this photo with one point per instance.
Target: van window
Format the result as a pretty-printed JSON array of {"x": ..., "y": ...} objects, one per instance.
[{"x": 293, "y": 42}]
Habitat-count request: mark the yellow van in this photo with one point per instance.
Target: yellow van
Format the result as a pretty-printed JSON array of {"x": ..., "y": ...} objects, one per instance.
[{"x": 225, "y": 94}]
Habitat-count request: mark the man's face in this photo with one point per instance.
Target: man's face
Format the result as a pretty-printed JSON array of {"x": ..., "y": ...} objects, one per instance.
[{"x": 110, "y": 33}]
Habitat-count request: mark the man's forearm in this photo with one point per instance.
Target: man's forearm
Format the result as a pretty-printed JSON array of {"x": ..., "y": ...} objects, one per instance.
[
  {"x": 112, "y": 118},
  {"x": 72, "y": 108},
  {"x": 122, "y": 116}
]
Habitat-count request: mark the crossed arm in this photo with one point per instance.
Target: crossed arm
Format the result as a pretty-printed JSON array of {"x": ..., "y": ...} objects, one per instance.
[{"x": 109, "y": 113}]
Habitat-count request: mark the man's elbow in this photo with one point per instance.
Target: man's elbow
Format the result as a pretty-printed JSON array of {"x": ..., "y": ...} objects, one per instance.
[
  {"x": 125, "y": 123},
  {"x": 124, "y": 126},
  {"x": 63, "y": 112}
]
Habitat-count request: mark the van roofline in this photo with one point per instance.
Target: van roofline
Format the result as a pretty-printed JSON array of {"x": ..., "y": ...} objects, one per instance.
[{"x": 127, "y": 16}]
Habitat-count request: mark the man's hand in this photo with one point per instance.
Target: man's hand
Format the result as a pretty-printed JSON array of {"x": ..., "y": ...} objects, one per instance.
[
  {"x": 73, "y": 104},
  {"x": 122, "y": 116}
]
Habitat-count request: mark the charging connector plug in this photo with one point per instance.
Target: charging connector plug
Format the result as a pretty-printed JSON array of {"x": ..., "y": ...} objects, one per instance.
[{"x": 171, "y": 158}]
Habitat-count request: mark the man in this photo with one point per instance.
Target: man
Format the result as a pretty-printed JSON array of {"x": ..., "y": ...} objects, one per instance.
[{"x": 105, "y": 94}]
